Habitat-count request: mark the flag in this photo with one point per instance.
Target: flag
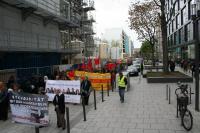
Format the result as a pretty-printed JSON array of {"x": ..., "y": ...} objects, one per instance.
[
  {"x": 89, "y": 65},
  {"x": 97, "y": 61},
  {"x": 71, "y": 74}
]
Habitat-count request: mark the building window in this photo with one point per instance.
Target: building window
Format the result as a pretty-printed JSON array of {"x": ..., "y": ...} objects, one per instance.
[
  {"x": 190, "y": 31},
  {"x": 176, "y": 21},
  {"x": 176, "y": 7},
  {"x": 168, "y": 41},
  {"x": 186, "y": 33},
  {"x": 175, "y": 38},
  {"x": 185, "y": 15},
  {"x": 182, "y": 35},
  {"x": 181, "y": 3},
  {"x": 172, "y": 40},
  {"x": 179, "y": 32},
  {"x": 189, "y": 10}
]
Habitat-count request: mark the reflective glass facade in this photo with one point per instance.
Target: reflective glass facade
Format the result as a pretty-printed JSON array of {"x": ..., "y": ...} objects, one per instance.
[{"x": 180, "y": 29}]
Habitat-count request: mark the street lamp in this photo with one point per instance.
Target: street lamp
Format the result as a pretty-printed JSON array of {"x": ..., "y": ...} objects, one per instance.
[{"x": 195, "y": 17}]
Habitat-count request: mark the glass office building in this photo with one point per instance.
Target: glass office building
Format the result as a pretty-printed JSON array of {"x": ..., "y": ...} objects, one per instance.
[{"x": 180, "y": 29}]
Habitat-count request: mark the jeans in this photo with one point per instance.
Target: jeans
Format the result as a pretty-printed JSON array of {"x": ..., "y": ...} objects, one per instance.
[{"x": 121, "y": 93}]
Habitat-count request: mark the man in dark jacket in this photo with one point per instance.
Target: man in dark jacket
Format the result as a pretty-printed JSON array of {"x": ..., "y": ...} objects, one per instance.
[
  {"x": 4, "y": 102},
  {"x": 59, "y": 103},
  {"x": 85, "y": 89}
]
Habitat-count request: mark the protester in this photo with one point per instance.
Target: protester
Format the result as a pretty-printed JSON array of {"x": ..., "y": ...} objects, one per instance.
[
  {"x": 14, "y": 88},
  {"x": 172, "y": 66},
  {"x": 193, "y": 69},
  {"x": 11, "y": 81},
  {"x": 113, "y": 79},
  {"x": 59, "y": 103},
  {"x": 4, "y": 102},
  {"x": 85, "y": 89},
  {"x": 122, "y": 82}
]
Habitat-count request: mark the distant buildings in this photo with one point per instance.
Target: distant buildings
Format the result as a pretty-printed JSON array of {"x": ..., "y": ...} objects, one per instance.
[
  {"x": 158, "y": 45},
  {"x": 136, "y": 52},
  {"x": 104, "y": 51},
  {"x": 117, "y": 37},
  {"x": 115, "y": 53}
]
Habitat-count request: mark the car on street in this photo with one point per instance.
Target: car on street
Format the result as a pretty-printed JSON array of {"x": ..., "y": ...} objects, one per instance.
[
  {"x": 132, "y": 71},
  {"x": 137, "y": 65}
]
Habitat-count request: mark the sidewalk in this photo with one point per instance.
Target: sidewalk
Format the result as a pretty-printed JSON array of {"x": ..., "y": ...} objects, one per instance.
[{"x": 145, "y": 111}]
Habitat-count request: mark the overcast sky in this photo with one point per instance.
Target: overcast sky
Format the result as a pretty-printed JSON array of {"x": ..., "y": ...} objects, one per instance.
[{"x": 113, "y": 14}]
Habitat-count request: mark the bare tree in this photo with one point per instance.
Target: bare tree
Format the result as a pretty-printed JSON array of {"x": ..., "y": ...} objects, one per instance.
[{"x": 144, "y": 20}]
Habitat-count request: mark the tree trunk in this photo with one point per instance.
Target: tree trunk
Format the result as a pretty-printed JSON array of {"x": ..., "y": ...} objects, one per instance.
[
  {"x": 153, "y": 57},
  {"x": 164, "y": 38}
]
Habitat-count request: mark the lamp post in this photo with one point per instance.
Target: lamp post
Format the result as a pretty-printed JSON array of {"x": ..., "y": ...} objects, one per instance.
[{"x": 195, "y": 17}]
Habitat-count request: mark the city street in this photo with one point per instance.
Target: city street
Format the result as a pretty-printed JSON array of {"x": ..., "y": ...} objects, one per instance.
[{"x": 145, "y": 110}]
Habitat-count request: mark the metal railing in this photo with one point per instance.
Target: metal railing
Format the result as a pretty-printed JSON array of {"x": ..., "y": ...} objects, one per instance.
[
  {"x": 33, "y": 71},
  {"x": 6, "y": 74}
]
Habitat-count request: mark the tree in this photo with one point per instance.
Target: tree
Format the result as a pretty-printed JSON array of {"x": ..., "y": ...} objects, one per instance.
[
  {"x": 144, "y": 20},
  {"x": 146, "y": 50},
  {"x": 164, "y": 21}
]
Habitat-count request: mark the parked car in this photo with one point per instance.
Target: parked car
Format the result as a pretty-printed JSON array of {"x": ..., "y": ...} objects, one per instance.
[
  {"x": 132, "y": 71},
  {"x": 137, "y": 65}
]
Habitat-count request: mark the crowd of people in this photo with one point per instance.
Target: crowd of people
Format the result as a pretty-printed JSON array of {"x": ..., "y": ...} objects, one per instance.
[{"x": 36, "y": 85}]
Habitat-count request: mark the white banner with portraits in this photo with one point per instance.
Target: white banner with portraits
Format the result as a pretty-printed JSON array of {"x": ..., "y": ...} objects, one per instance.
[{"x": 70, "y": 88}]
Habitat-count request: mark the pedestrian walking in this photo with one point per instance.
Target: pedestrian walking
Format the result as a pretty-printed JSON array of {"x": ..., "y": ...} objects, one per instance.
[
  {"x": 172, "y": 66},
  {"x": 122, "y": 82},
  {"x": 59, "y": 103},
  {"x": 141, "y": 68},
  {"x": 86, "y": 89},
  {"x": 4, "y": 102}
]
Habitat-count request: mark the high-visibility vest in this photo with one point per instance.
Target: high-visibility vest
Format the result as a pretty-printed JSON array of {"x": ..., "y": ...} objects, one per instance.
[{"x": 121, "y": 82}]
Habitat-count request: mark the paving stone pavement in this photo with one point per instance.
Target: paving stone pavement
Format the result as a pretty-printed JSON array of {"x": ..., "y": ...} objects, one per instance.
[{"x": 145, "y": 110}]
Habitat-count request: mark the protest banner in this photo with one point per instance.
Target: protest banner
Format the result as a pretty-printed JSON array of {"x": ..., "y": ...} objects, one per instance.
[
  {"x": 29, "y": 109},
  {"x": 70, "y": 88},
  {"x": 97, "y": 79}
]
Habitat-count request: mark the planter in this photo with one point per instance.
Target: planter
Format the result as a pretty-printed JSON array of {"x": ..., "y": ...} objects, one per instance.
[{"x": 171, "y": 77}]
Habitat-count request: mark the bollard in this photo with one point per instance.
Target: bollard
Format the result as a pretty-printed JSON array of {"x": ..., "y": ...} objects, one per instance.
[
  {"x": 115, "y": 85},
  {"x": 108, "y": 89},
  {"x": 102, "y": 96},
  {"x": 95, "y": 104},
  {"x": 67, "y": 118},
  {"x": 37, "y": 130},
  {"x": 190, "y": 95},
  {"x": 112, "y": 85},
  {"x": 177, "y": 108},
  {"x": 169, "y": 94},
  {"x": 83, "y": 104}
]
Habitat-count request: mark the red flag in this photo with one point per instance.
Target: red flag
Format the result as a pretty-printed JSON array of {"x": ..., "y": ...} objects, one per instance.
[
  {"x": 83, "y": 66},
  {"x": 96, "y": 61},
  {"x": 89, "y": 65},
  {"x": 71, "y": 74}
]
